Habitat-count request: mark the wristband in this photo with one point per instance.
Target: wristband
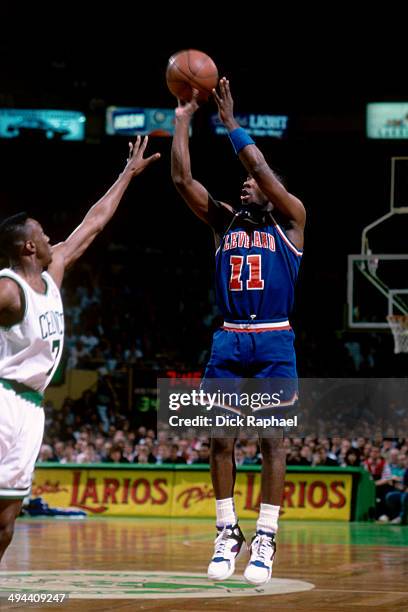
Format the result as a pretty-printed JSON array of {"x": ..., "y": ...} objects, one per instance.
[{"x": 240, "y": 139}]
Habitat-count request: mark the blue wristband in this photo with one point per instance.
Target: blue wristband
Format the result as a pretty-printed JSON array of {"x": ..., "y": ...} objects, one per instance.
[{"x": 240, "y": 139}]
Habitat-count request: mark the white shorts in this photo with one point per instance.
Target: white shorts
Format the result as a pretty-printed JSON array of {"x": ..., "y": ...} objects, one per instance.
[{"x": 21, "y": 434}]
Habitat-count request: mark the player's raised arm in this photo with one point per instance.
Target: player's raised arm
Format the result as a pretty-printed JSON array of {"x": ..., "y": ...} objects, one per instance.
[
  {"x": 67, "y": 252},
  {"x": 191, "y": 190},
  {"x": 253, "y": 160}
]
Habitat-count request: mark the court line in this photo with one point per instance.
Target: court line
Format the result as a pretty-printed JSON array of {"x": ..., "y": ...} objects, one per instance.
[{"x": 359, "y": 591}]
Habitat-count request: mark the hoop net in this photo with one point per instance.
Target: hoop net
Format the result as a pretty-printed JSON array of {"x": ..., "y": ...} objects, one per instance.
[{"x": 399, "y": 328}]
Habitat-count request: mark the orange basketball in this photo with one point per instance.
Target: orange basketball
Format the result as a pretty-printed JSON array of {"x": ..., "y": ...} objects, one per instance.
[{"x": 191, "y": 69}]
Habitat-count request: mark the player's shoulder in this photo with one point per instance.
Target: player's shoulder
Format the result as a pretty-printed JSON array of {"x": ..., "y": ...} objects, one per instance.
[
  {"x": 9, "y": 282},
  {"x": 10, "y": 291}
]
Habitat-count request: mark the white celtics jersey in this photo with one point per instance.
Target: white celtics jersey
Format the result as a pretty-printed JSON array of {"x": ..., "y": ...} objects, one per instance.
[{"x": 31, "y": 350}]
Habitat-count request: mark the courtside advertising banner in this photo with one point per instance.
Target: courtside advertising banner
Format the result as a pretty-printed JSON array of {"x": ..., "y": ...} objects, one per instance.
[
  {"x": 106, "y": 492},
  {"x": 306, "y": 496},
  {"x": 187, "y": 492}
]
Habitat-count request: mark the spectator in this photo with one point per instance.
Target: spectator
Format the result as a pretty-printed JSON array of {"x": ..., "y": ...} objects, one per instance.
[
  {"x": 128, "y": 452},
  {"x": 381, "y": 474},
  {"x": 70, "y": 454},
  {"x": 320, "y": 457},
  {"x": 293, "y": 457},
  {"x": 375, "y": 463},
  {"x": 352, "y": 458},
  {"x": 174, "y": 456},
  {"x": 116, "y": 456},
  {"x": 59, "y": 449},
  {"x": 193, "y": 457},
  {"x": 397, "y": 464},
  {"x": 239, "y": 455},
  {"x": 46, "y": 454},
  {"x": 251, "y": 454},
  {"x": 89, "y": 455},
  {"x": 203, "y": 454},
  {"x": 344, "y": 448},
  {"x": 397, "y": 501},
  {"x": 305, "y": 455},
  {"x": 142, "y": 455},
  {"x": 161, "y": 452}
]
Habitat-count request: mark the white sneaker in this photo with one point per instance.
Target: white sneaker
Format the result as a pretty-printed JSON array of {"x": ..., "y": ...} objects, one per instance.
[
  {"x": 228, "y": 546},
  {"x": 396, "y": 521},
  {"x": 263, "y": 548},
  {"x": 383, "y": 518}
]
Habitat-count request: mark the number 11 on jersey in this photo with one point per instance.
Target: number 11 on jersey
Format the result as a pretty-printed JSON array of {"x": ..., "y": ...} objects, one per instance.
[{"x": 255, "y": 272}]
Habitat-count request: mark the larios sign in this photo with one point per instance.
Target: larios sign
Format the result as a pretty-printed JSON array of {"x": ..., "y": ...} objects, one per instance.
[
  {"x": 306, "y": 495},
  {"x": 188, "y": 493}
]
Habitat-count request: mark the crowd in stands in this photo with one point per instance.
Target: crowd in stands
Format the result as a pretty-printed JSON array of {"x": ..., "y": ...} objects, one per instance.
[{"x": 383, "y": 458}]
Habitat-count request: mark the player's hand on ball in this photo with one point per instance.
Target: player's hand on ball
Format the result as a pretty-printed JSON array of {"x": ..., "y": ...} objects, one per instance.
[
  {"x": 224, "y": 101},
  {"x": 187, "y": 109},
  {"x": 136, "y": 163}
]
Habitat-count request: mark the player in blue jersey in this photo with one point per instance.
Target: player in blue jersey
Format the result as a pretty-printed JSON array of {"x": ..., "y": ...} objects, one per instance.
[{"x": 258, "y": 251}]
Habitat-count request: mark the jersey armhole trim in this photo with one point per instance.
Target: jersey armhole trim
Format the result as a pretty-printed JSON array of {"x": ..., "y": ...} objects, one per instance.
[
  {"x": 288, "y": 241},
  {"x": 46, "y": 278}
]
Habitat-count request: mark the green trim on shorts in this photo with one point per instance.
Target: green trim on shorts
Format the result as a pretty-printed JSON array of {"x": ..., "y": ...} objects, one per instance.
[
  {"x": 22, "y": 390},
  {"x": 13, "y": 496}
]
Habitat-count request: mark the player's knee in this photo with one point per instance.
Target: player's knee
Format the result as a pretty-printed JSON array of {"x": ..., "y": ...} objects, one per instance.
[{"x": 222, "y": 447}]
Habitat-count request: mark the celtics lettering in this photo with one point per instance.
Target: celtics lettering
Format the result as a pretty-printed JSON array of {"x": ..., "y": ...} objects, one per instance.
[{"x": 51, "y": 323}]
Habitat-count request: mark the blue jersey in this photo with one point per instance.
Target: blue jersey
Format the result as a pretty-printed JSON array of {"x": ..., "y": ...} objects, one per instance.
[{"x": 256, "y": 271}]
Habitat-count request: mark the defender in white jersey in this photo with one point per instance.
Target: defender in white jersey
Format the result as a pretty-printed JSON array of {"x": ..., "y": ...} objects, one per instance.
[{"x": 32, "y": 331}]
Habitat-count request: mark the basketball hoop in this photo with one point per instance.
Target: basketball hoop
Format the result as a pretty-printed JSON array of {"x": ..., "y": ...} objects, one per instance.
[{"x": 399, "y": 328}]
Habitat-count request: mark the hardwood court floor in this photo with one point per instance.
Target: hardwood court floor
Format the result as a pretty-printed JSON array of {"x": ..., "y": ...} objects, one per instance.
[{"x": 353, "y": 566}]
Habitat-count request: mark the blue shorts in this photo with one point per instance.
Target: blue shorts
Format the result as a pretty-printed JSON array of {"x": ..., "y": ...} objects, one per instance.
[{"x": 264, "y": 362}]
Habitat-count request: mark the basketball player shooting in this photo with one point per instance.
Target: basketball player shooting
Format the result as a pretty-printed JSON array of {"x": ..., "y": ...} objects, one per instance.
[
  {"x": 258, "y": 251},
  {"x": 32, "y": 331}
]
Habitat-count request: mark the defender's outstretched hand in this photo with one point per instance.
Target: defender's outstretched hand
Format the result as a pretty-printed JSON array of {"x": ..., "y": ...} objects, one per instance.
[
  {"x": 65, "y": 253},
  {"x": 187, "y": 109},
  {"x": 136, "y": 163},
  {"x": 225, "y": 104}
]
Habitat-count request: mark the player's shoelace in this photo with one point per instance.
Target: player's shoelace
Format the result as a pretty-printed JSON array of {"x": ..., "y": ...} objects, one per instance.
[
  {"x": 221, "y": 541},
  {"x": 264, "y": 549}
]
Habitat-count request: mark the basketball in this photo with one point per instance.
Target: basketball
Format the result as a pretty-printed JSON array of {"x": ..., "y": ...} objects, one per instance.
[{"x": 190, "y": 69}]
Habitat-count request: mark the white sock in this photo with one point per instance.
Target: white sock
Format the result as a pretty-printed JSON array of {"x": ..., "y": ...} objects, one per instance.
[
  {"x": 225, "y": 510},
  {"x": 268, "y": 518}
]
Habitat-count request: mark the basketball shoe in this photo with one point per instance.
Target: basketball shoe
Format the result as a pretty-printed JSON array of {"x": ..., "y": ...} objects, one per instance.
[
  {"x": 259, "y": 568},
  {"x": 228, "y": 545}
]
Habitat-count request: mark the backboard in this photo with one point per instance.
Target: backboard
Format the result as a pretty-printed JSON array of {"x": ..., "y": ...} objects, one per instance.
[{"x": 377, "y": 282}]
